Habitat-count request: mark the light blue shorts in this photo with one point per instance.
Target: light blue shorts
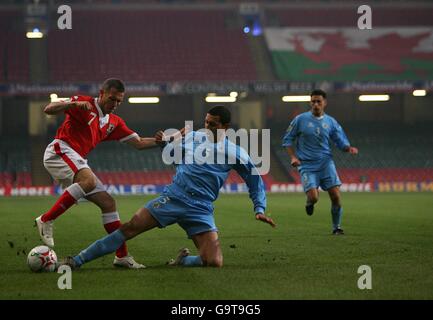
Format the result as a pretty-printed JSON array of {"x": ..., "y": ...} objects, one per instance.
[
  {"x": 326, "y": 178},
  {"x": 193, "y": 215}
]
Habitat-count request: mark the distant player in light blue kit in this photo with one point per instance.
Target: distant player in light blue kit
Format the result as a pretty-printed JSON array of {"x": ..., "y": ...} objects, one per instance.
[
  {"x": 308, "y": 141},
  {"x": 188, "y": 200}
]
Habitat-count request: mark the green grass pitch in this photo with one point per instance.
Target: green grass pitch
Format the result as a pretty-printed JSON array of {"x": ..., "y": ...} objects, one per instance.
[{"x": 300, "y": 259}]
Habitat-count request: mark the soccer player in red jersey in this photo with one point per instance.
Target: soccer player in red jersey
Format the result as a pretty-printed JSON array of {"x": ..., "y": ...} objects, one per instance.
[{"x": 88, "y": 121}]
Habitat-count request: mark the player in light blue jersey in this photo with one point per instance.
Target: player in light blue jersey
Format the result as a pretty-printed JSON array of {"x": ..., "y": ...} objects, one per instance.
[
  {"x": 308, "y": 141},
  {"x": 188, "y": 200}
]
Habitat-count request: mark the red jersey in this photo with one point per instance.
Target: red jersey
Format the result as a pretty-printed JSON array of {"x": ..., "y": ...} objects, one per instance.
[{"x": 84, "y": 129}]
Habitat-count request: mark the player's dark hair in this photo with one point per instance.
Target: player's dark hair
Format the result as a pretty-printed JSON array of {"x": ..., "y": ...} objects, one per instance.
[
  {"x": 222, "y": 112},
  {"x": 318, "y": 92},
  {"x": 113, "y": 83}
]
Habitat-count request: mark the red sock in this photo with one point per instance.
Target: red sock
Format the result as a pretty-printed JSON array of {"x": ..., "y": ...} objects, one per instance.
[
  {"x": 62, "y": 204},
  {"x": 111, "y": 227}
]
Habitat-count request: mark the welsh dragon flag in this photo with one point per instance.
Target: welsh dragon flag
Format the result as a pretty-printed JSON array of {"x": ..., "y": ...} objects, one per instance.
[{"x": 309, "y": 54}]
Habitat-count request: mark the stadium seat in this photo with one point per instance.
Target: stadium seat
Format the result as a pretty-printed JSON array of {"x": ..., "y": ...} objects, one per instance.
[
  {"x": 14, "y": 55},
  {"x": 162, "y": 45}
]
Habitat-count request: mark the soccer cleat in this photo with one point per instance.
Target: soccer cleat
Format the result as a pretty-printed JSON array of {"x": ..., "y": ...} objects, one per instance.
[
  {"x": 68, "y": 261},
  {"x": 45, "y": 231},
  {"x": 338, "y": 232},
  {"x": 127, "y": 262},
  {"x": 309, "y": 208},
  {"x": 182, "y": 254}
]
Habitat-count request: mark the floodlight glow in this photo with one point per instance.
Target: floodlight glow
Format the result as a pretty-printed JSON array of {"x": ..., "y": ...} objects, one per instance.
[
  {"x": 296, "y": 98},
  {"x": 143, "y": 100},
  {"x": 419, "y": 93},
  {"x": 220, "y": 99},
  {"x": 246, "y": 29},
  {"x": 35, "y": 34},
  {"x": 374, "y": 97}
]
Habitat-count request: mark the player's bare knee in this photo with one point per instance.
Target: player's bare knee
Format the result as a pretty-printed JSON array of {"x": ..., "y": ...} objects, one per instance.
[
  {"x": 335, "y": 198},
  {"x": 312, "y": 196},
  {"x": 88, "y": 184},
  {"x": 211, "y": 254},
  {"x": 86, "y": 179},
  {"x": 216, "y": 262},
  {"x": 313, "y": 199}
]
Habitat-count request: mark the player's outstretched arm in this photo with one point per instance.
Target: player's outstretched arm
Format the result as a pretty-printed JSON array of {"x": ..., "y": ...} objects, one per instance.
[
  {"x": 58, "y": 107},
  {"x": 256, "y": 188},
  {"x": 140, "y": 143},
  {"x": 261, "y": 217},
  {"x": 159, "y": 139}
]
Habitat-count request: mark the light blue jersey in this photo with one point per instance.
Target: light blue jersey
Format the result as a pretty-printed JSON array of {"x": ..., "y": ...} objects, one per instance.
[
  {"x": 311, "y": 138},
  {"x": 204, "y": 180},
  {"x": 198, "y": 180}
]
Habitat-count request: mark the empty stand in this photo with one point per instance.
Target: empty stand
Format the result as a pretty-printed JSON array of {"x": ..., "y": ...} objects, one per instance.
[
  {"x": 14, "y": 53},
  {"x": 152, "y": 45},
  {"x": 347, "y": 17}
]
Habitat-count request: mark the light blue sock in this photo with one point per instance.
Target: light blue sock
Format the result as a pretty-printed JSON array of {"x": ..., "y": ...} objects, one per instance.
[
  {"x": 191, "y": 261},
  {"x": 101, "y": 247},
  {"x": 337, "y": 213}
]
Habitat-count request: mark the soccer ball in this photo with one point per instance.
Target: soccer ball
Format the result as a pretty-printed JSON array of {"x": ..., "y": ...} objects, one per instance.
[{"x": 42, "y": 259}]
